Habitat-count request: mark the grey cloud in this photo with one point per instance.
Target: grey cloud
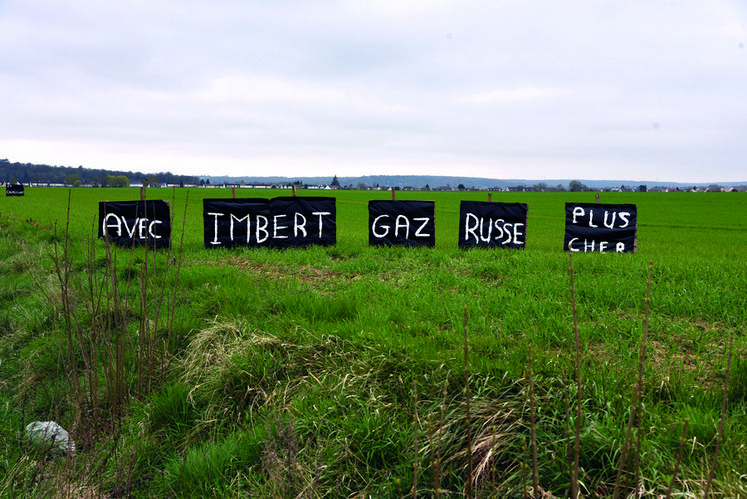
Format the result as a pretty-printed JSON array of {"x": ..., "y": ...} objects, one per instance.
[{"x": 536, "y": 86}]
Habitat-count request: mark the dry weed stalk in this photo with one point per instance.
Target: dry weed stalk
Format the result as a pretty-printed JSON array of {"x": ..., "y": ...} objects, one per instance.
[
  {"x": 634, "y": 420},
  {"x": 678, "y": 460},
  {"x": 577, "y": 440},
  {"x": 439, "y": 437},
  {"x": 415, "y": 460},
  {"x": 532, "y": 428},
  {"x": 720, "y": 435},
  {"x": 467, "y": 397}
]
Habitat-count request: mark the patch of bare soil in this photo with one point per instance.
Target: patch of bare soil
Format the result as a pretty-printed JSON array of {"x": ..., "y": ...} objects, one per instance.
[{"x": 305, "y": 273}]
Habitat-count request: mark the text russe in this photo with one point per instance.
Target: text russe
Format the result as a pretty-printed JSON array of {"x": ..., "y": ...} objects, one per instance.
[{"x": 492, "y": 225}]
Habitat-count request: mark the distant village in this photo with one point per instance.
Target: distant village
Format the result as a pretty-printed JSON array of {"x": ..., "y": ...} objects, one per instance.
[
  {"x": 378, "y": 187},
  {"x": 573, "y": 186},
  {"x": 33, "y": 175},
  {"x": 461, "y": 187}
]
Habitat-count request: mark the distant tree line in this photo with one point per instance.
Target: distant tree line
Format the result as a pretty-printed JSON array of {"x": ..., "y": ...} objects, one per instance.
[{"x": 28, "y": 173}]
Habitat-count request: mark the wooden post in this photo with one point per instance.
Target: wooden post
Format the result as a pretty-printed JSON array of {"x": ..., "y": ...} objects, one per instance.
[
  {"x": 597, "y": 197},
  {"x": 142, "y": 193},
  {"x": 393, "y": 196},
  {"x": 490, "y": 197},
  {"x": 294, "y": 190},
  {"x": 233, "y": 192}
]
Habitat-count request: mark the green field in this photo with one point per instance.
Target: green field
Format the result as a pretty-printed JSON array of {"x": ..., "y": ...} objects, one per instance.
[{"x": 340, "y": 371}]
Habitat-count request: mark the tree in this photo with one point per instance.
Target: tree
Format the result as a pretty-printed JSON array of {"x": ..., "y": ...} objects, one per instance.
[
  {"x": 335, "y": 182},
  {"x": 461, "y": 187},
  {"x": 121, "y": 181},
  {"x": 576, "y": 186},
  {"x": 72, "y": 178}
]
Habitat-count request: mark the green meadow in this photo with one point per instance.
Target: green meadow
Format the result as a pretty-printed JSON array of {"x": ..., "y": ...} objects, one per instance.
[{"x": 352, "y": 371}]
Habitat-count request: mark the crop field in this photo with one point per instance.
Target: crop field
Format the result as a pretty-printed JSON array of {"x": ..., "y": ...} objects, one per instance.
[{"x": 357, "y": 371}]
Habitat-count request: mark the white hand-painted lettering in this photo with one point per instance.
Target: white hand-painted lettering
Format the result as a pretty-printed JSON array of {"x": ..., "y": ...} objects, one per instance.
[
  {"x": 141, "y": 227},
  {"x": 262, "y": 233},
  {"x": 215, "y": 227},
  {"x": 610, "y": 225},
  {"x": 625, "y": 217},
  {"x": 117, "y": 224},
  {"x": 248, "y": 224},
  {"x": 419, "y": 231},
  {"x": 277, "y": 227},
  {"x": 577, "y": 212},
  {"x": 402, "y": 222},
  {"x": 321, "y": 214},
  {"x": 299, "y": 226},
  {"x": 575, "y": 245},
  {"x": 375, "y": 224},
  {"x": 476, "y": 229},
  {"x": 151, "y": 231}
]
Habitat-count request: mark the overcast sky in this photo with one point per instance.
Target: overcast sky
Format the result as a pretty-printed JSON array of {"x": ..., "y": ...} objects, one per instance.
[{"x": 530, "y": 89}]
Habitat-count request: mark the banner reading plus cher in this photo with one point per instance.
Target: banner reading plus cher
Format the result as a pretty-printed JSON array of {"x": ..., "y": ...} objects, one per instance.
[{"x": 604, "y": 228}]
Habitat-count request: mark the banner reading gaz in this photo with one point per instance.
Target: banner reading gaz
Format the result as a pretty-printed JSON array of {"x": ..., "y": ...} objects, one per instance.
[
  {"x": 283, "y": 222},
  {"x": 604, "y": 228},
  {"x": 401, "y": 223},
  {"x": 484, "y": 224},
  {"x": 127, "y": 223}
]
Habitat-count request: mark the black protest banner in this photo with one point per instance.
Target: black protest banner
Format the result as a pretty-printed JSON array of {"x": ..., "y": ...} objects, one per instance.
[
  {"x": 282, "y": 222},
  {"x": 492, "y": 225},
  {"x": 14, "y": 190},
  {"x": 603, "y": 228},
  {"x": 401, "y": 223},
  {"x": 127, "y": 223}
]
